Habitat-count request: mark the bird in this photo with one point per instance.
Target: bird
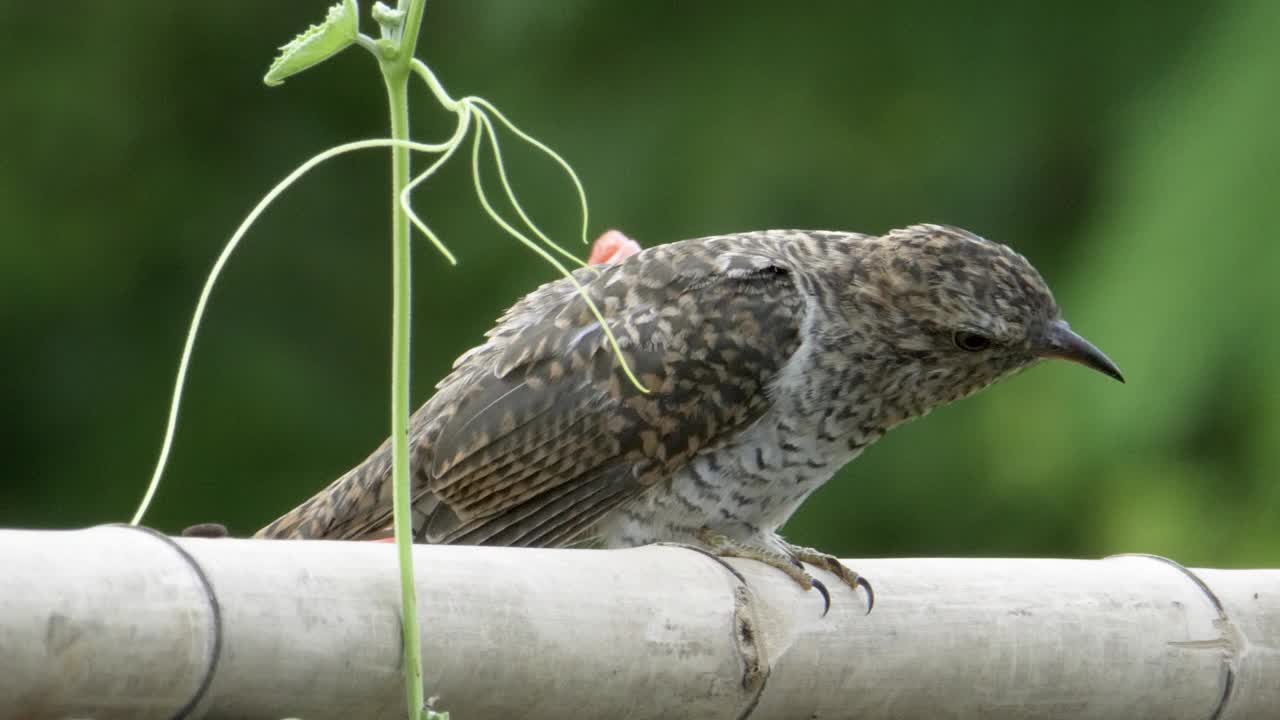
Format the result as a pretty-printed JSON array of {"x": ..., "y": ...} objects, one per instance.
[{"x": 769, "y": 360}]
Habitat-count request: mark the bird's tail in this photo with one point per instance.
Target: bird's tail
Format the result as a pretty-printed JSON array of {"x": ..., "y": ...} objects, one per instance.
[{"x": 356, "y": 506}]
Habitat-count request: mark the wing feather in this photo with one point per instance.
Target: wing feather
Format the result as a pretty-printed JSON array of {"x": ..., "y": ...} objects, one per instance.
[{"x": 537, "y": 433}]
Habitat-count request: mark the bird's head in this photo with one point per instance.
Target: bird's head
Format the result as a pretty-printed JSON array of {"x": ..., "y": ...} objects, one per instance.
[{"x": 948, "y": 313}]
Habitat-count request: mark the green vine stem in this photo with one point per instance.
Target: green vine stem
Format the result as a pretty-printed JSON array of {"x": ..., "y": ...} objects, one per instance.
[
  {"x": 395, "y": 72},
  {"x": 394, "y": 52},
  {"x": 175, "y": 404}
]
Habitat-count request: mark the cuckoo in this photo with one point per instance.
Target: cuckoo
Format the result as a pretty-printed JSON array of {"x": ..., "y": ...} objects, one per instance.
[{"x": 770, "y": 359}]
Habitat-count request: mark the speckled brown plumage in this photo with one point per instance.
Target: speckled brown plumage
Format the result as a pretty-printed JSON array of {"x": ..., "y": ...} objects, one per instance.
[{"x": 773, "y": 359}]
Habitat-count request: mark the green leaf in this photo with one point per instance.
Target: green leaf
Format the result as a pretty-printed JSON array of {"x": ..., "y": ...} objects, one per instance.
[{"x": 317, "y": 44}]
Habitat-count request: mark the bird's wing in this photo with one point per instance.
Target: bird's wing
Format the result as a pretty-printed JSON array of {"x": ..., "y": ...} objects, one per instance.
[{"x": 537, "y": 433}]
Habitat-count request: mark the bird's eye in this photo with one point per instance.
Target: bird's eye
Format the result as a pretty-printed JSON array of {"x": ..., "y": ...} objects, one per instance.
[{"x": 971, "y": 341}]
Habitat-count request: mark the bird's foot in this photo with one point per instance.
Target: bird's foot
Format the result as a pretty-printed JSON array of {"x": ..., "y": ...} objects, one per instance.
[
  {"x": 789, "y": 560},
  {"x": 832, "y": 564},
  {"x": 206, "y": 530}
]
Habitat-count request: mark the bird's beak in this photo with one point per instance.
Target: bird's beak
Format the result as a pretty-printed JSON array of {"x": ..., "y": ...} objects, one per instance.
[{"x": 1060, "y": 342}]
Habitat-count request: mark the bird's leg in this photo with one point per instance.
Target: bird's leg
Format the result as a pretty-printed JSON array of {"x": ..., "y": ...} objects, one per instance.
[
  {"x": 725, "y": 546},
  {"x": 832, "y": 564}
]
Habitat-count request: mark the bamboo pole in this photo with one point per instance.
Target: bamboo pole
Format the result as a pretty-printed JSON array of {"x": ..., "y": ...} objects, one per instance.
[{"x": 113, "y": 622}]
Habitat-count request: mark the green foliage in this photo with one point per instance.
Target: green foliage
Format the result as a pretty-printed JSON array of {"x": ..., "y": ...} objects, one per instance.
[
  {"x": 1133, "y": 158},
  {"x": 317, "y": 44}
]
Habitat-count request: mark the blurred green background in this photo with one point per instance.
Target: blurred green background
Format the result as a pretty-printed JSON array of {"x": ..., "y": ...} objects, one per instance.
[{"x": 1132, "y": 152}]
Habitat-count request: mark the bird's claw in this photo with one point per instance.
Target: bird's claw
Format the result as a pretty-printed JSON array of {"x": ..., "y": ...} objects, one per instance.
[
  {"x": 832, "y": 564},
  {"x": 871, "y": 594},
  {"x": 792, "y": 563},
  {"x": 822, "y": 590},
  {"x": 860, "y": 582}
]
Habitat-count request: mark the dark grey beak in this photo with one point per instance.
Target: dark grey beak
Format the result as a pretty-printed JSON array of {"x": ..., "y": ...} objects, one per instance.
[{"x": 1060, "y": 342}]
